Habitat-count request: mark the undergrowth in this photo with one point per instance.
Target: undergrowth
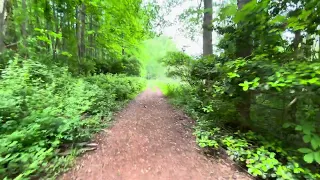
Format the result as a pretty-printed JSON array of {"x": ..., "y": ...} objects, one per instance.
[
  {"x": 264, "y": 157},
  {"x": 45, "y": 111}
]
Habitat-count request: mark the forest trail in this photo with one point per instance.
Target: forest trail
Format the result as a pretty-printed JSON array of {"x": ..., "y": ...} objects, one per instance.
[{"x": 149, "y": 141}]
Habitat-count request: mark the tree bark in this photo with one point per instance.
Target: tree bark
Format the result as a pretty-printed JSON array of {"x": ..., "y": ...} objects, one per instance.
[
  {"x": 243, "y": 41},
  {"x": 24, "y": 22},
  {"x": 3, "y": 4},
  {"x": 78, "y": 31},
  {"x": 244, "y": 49},
  {"x": 91, "y": 37},
  {"x": 298, "y": 51},
  {"x": 319, "y": 48},
  {"x": 56, "y": 27},
  {"x": 83, "y": 29},
  {"x": 207, "y": 28}
]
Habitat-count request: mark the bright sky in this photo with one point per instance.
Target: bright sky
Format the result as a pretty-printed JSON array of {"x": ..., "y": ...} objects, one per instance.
[{"x": 191, "y": 47}]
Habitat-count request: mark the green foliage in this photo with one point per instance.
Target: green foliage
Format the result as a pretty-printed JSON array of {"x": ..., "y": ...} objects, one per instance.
[
  {"x": 51, "y": 97},
  {"x": 177, "y": 64},
  {"x": 204, "y": 138},
  {"x": 150, "y": 53},
  {"x": 263, "y": 157},
  {"x": 262, "y": 81},
  {"x": 79, "y": 34},
  {"x": 43, "y": 109},
  {"x": 130, "y": 66}
]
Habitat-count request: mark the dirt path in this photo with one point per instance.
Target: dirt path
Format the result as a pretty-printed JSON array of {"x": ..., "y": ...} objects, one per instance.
[{"x": 151, "y": 141}]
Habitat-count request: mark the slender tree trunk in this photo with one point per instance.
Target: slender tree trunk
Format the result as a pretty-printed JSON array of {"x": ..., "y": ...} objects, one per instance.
[
  {"x": 298, "y": 51},
  {"x": 3, "y": 4},
  {"x": 207, "y": 28},
  {"x": 83, "y": 29},
  {"x": 207, "y": 34},
  {"x": 47, "y": 14},
  {"x": 63, "y": 21},
  {"x": 319, "y": 48},
  {"x": 54, "y": 27},
  {"x": 78, "y": 33},
  {"x": 297, "y": 39},
  {"x": 123, "y": 49},
  {"x": 91, "y": 37},
  {"x": 24, "y": 22}
]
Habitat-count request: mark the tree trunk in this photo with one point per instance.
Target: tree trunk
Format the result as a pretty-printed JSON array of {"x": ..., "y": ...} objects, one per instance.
[
  {"x": 243, "y": 41},
  {"x": 207, "y": 28},
  {"x": 91, "y": 37},
  {"x": 78, "y": 36},
  {"x": 24, "y": 22},
  {"x": 298, "y": 52},
  {"x": 243, "y": 50},
  {"x": 319, "y": 48},
  {"x": 83, "y": 29},
  {"x": 56, "y": 26},
  {"x": 3, "y": 5}
]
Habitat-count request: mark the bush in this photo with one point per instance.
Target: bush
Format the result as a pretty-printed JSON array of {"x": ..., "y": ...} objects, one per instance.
[
  {"x": 121, "y": 86},
  {"x": 130, "y": 66},
  {"x": 264, "y": 157},
  {"x": 43, "y": 109}
]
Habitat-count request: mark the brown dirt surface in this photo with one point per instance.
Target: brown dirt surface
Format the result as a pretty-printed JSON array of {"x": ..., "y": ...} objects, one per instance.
[{"x": 149, "y": 141}]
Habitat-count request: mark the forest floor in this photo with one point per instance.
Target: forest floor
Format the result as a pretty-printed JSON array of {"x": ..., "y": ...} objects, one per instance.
[{"x": 150, "y": 140}]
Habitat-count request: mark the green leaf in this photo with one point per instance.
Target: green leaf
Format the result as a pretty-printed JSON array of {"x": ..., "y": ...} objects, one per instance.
[
  {"x": 286, "y": 125},
  {"x": 317, "y": 157},
  {"x": 307, "y": 138},
  {"x": 245, "y": 85},
  {"x": 279, "y": 49},
  {"x": 305, "y": 14},
  {"x": 314, "y": 143},
  {"x": 298, "y": 128},
  {"x": 233, "y": 74},
  {"x": 309, "y": 157},
  {"x": 229, "y": 10},
  {"x": 307, "y": 128},
  {"x": 305, "y": 150},
  {"x": 277, "y": 19}
]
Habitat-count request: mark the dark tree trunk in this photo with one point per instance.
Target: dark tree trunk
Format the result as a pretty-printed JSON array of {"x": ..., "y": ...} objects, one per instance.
[
  {"x": 243, "y": 41},
  {"x": 207, "y": 28},
  {"x": 244, "y": 48}
]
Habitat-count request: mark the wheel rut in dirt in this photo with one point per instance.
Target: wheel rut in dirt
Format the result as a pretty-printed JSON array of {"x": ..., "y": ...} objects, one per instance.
[{"x": 149, "y": 140}]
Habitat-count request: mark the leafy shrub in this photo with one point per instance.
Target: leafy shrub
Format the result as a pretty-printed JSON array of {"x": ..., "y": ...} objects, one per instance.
[
  {"x": 123, "y": 87},
  {"x": 42, "y": 109},
  {"x": 130, "y": 66},
  {"x": 264, "y": 157}
]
